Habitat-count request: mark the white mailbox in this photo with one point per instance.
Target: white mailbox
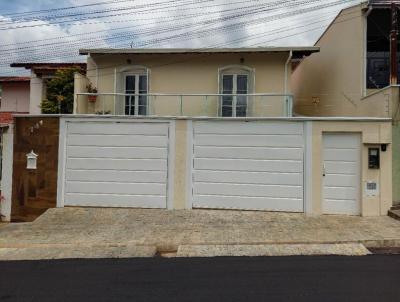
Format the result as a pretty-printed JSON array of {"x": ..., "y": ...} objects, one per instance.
[{"x": 31, "y": 160}]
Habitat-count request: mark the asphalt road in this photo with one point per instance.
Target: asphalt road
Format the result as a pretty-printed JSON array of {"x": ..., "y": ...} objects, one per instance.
[{"x": 322, "y": 279}]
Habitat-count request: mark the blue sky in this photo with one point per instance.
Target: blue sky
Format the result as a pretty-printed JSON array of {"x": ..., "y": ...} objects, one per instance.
[
  {"x": 30, "y": 5},
  {"x": 198, "y": 23}
]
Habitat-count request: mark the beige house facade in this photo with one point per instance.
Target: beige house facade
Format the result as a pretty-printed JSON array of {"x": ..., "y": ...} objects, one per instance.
[{"x": 189, "y": 82}]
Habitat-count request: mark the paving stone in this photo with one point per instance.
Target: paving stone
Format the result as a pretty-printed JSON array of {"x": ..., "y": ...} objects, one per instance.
[
  {"x": 169, "y": 229},
  {"x": 344, "y": 249}
]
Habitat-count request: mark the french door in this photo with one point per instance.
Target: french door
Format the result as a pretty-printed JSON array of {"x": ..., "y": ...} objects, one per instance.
[
  {"x": 136, "y": 94},
  {"x": 235, "y": 88}
]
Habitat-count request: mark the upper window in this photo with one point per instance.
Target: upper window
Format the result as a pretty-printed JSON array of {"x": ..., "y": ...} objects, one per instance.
[
  {"x": 133, "y": 83},
  {"x": 136, "y": 94},
  {"x": 235, "y": 85}
]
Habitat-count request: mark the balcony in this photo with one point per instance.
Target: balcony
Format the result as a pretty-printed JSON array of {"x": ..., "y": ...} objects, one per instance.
[{"x": 193, "y": 105}]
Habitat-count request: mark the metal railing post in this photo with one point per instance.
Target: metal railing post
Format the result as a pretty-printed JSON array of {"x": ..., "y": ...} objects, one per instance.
[
  {"x": 205, "y": 105},
  {"x": 181, "y": 105}
]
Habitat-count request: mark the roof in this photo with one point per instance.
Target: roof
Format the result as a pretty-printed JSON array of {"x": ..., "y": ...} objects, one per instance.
[
  {"x": 383, "y": 3},
  {"x": 14, "y": 79},
  {"x": 47, "y": 65},
  {"x": 299, "y": 51}
]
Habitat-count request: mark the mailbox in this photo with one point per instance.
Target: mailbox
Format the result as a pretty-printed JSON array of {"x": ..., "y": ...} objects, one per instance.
[
  {"x": 31, "y": 160},
  {"x": 373, "y": 158}
]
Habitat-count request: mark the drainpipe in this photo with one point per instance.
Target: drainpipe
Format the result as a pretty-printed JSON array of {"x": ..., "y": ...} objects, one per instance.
[
  {"x": 289, "y": 113},
  {"x": 393, "y": 46}
]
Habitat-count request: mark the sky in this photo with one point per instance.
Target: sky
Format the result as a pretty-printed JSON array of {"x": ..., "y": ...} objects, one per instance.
[{"x": 54, "y": 31}]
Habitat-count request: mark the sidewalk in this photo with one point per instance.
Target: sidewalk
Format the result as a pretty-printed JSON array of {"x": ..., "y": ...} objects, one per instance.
[{"x": 166, "y": 231}]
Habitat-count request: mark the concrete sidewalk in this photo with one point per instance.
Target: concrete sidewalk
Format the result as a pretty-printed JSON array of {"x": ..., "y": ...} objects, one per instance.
[{"x": 165, "y": 231}]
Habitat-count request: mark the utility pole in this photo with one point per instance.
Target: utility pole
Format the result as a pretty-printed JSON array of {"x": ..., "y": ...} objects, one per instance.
[{"x": 393, "y": 45}]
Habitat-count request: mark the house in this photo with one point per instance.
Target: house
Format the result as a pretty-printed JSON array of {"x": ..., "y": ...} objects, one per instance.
[
  {"x": 23, "y": 95},
  {"x": 14, "y": 98},
  {"x": 355, "y": 73},
  {"x": 200, "y": 129},
  {"x": 40, "y": 74}
]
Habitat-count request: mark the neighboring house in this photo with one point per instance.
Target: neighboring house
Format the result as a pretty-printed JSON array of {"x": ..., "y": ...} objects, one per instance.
[
  {"x": 14, "y": 97},
  {"x": 350, "y": 76},
  {"x": 40, "y": 74}
]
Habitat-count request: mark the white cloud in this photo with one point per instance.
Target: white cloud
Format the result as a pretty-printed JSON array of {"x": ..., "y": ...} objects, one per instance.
[{"x": 146, "y": 28}]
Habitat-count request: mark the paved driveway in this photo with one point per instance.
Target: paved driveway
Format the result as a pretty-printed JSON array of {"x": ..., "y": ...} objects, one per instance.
[{"x": 169, "y": 229}]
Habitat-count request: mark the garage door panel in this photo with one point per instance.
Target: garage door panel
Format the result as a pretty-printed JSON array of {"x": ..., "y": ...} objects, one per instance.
[
  {"x": 341, "y": 154},
  {"x": 117, "y": 152},
  {"x": 341, "y": 141},
  {"x": 248, "y": 153},
  {"x": 341, "y": 168},
  {"x": 121, "y": 188},
  {"x": 249, "y": 203},
  {"x": 120, "y": 128},
  {"x": 250, "y": 128},
  {"x": 117, "y": 164},
  {"x": 341, "y": 193},
  {"x": 248, "y": 190},
  {"x": 117, "y": 176},
  {"x": 248, "y": 177},
  {"x": 107, "y": 200},
  {"x": 340, "y": 207},
  {"x": 117, "y": 140},
  {"x": 248, "y": 165},
  {"x": 342, "y": 181},
  {"x": 250, "y": 140}
]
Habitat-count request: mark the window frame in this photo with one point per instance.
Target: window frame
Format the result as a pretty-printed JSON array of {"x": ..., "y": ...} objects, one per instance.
[
  {"x": 137, "y": 93},
  {"x": 235, "y": 71},
  {"x": 120, "y": 86}
]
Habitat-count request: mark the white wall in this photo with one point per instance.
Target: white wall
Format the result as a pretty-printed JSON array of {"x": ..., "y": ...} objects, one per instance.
[{"x": 7, "y": 171}]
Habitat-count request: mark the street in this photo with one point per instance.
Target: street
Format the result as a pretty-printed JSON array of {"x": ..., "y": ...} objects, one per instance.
[{"x": 369, "y": 278}]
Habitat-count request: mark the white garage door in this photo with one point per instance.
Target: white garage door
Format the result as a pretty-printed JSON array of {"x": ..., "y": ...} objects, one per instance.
[
  {"x": 341, "y": 173},
  {"x": 248, "y": 165},
  {"x": 116, "y": 164}
]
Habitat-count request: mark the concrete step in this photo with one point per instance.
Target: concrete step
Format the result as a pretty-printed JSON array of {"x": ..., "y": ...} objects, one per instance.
[
  {"x": 343, "y": 249},
  {"x": 80, "y": 251},
  {"x": 394, "y": 213}
]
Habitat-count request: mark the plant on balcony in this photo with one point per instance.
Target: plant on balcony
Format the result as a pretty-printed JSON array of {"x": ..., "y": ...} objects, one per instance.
[
  {"x": 60, "y": 92},
  {"x": 91, "y": 89}
]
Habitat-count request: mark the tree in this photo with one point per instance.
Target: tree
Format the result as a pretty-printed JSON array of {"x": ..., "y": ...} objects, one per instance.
[{"x": 60, "y": 92}]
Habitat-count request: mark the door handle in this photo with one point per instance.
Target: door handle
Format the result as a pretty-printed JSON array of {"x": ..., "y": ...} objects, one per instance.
[{"x": 323, "y": 170}]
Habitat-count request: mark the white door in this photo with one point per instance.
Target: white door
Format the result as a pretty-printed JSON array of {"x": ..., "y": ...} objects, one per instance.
[
  {"x": 248, "y": 165},
  {"x": 341, "y": 173},
  {"x": 116, "y": 164}
]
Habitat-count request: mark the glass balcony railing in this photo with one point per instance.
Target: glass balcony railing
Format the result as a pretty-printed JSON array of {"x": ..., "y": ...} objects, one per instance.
[{"x": 191, "y": 105}]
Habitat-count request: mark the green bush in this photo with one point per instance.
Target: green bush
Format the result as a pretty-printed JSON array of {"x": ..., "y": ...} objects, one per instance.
[{"x": 60, "y": 92}]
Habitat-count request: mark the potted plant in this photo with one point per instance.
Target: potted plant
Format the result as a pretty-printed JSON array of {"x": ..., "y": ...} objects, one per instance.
[{"x": 91, "y": 89}]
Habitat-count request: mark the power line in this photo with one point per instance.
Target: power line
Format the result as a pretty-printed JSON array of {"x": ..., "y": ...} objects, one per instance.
[
  {"x": 158, "y": 30},
  {"x": 106, "y": 16},
  {"x": 244, "y": 38},
  {"x": 66, "y": 8},
  {"x": 203, "y": 32}
]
